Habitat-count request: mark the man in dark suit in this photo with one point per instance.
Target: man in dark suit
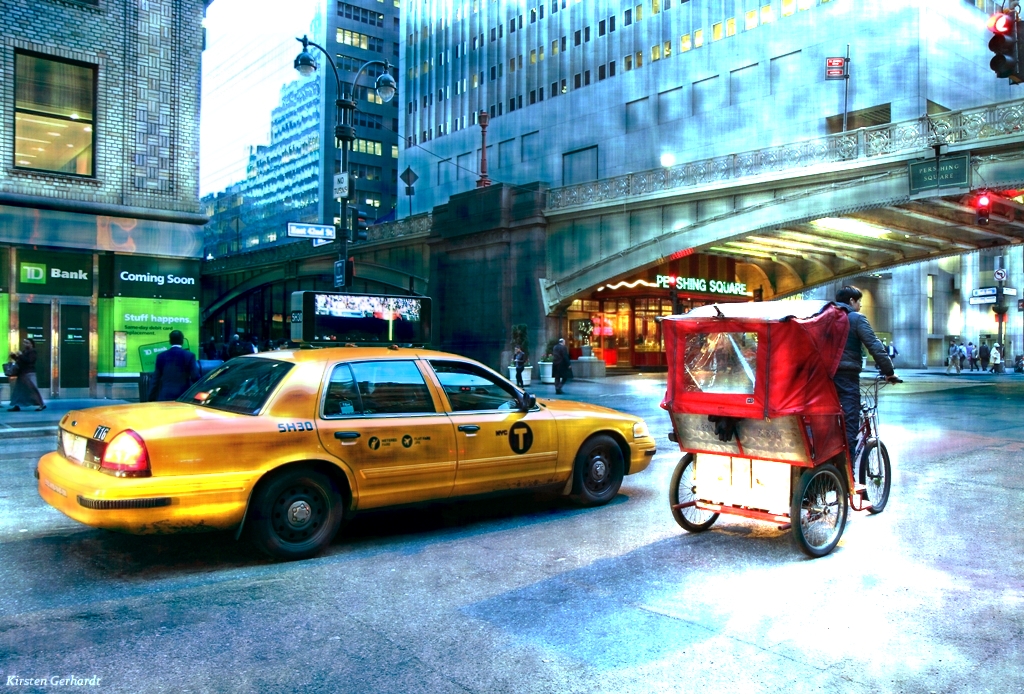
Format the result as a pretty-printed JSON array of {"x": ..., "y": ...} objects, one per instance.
[{"x": 176, "y": 370}]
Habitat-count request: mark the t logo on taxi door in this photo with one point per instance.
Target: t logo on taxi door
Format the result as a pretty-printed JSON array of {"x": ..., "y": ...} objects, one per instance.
[{"x": 520, "y": 437}]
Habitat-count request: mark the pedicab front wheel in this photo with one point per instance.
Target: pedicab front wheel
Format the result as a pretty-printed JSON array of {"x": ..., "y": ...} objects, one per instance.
[
  {"x": 682, "y": 493},
  {"x": 818, "y": 512}
]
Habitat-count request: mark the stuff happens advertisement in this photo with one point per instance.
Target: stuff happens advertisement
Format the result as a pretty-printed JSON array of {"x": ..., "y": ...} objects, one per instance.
[{"x": 152, "y": 297}]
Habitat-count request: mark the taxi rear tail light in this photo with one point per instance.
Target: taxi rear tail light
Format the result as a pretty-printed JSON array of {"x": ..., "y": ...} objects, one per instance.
[{"x": 126, "y": 456}]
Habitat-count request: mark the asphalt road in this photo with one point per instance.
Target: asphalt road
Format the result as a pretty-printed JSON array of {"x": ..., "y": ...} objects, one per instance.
[{"x": 531, "y": 594}]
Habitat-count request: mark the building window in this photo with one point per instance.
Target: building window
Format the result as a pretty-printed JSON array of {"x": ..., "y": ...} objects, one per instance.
[
  {"x": 511, "y": 65},
  {"x": 367, "y": 147},
  {"x": 655, "y": 7},
  {"x": 639, "y": 59},
  {"x": 656, "y": 52},
  {"x": 554, "y": 88},
  {"x": 766, "y": 14},
  {"x": 730, "y": 26},
  {"x": 667, "y": 49},
  {"x": 698, "y": 38},
  {"x": 716, "y": 31},
  {"x": 577, "y": 80},
  {"x": 357, "y": 40},
  {"x": 533, "y": 15},
  {"x": 533, "y": 96},
  {"x": 554, "y": 47},
  {"x": 601, "y": 27},
  {"x": 611, "y": 69},
  {"x": 627, "y": 18},
  {"x": 54, "y": 112},
  {"x": 533, "y": 57},
  {"x": 611, "y": 24},
  {"x": 586, "y": 77},
  {"x": 628, "y": 62},
  {"x": 788, "y": 7},
  {"x": 358, "y": 14},
  {"x": 601, "y": 72},
  {"x": 565, "y": 89},
  {"x": 563, "y": 44},
  {"x": 750, "y": 19},
  {"x": 638, "y": 12},
  {"x": 540, "y": 94},
  {"x": 540, "y": 53},
  {"x": 586, "y": 35},
  {"x": 577, "y": 37},
  {"x": 684, "y": 43}
]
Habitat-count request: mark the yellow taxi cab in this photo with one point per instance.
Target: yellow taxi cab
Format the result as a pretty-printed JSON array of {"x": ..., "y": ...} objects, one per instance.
[{"x": 286, "y": 444}]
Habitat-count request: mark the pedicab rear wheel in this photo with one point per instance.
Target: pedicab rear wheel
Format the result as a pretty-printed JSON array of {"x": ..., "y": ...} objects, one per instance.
[
  {"x": 818, "y": 512},
  {"x": 682, "y": 490}
]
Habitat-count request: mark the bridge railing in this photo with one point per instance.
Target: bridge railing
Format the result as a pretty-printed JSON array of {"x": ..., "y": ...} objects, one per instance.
[
  {"x": 409, "y": 226},
  {"x": 953, "y": 127}
]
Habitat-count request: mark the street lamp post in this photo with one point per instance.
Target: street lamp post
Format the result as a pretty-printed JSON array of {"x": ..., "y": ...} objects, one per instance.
[{"x": 344, "y": 127}]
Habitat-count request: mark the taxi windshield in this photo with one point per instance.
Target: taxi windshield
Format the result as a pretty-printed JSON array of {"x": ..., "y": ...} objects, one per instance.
[{"x": 241, "y": 385}]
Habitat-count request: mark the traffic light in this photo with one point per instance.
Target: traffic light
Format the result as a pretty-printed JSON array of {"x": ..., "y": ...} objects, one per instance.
[
  {"x": 360, "y": 222},
  {"x": 1004, "y": 44},
  {"x": 982, "y": 209}
]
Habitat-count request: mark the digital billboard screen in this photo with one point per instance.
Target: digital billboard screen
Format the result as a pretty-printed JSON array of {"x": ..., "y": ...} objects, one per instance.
[{"x": 365, "y": 319}]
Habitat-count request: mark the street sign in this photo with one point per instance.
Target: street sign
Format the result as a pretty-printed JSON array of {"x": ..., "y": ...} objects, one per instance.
[
  {"x": 953, "y": 172},
  {"x": 310, "y": 231},
  {"x": 339, "y": 274},
  {"x": 984, "y": 291},
  {"x": 835, "y": 68},
  {"x": 975, "y": 300},
  {"x": 409, "y": 177},
  {"x": 999, "y": 275},
  {"x": 1009, "y": 291},
  {"x": 321, "y": 242},
  {"x": 341, "y": 185}
]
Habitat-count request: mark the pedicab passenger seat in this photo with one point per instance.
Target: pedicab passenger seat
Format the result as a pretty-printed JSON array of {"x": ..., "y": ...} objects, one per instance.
[{"x": 768, "y": 366}]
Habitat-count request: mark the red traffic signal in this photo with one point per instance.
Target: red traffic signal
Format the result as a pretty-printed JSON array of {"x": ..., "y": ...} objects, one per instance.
[
  {"x": 982, "y": 209},
  {"x": 1005, "y": 46},
  {"x": 1001, "y": 23}
]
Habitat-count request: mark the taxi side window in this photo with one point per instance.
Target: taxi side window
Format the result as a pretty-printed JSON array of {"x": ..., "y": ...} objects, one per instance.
[
  {"x": 470, "y": 388},
  {"x": 391, "y": 387},
  {"x": 342, "y": 398}
]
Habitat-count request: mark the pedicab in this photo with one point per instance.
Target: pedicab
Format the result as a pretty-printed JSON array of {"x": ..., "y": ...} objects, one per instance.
[{"x": 756, "y": 414}]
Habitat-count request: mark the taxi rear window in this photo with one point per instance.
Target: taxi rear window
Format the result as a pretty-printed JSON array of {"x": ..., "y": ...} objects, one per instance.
[{"x": 241, "y": 385}]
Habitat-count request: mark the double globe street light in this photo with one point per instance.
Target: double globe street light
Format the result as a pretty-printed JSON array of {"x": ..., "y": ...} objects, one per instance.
[{"x": 344, "y": 128}]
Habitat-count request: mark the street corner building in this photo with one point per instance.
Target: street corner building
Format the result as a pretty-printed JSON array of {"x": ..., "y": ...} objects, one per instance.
[{"x": 100, "y": 228}]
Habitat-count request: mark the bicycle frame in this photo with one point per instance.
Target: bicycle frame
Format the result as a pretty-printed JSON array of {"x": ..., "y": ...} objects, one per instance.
[{"x": 867, "y": 432}]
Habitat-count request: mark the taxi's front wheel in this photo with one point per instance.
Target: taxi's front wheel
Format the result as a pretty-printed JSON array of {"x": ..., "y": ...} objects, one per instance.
[
  {"x": 598, "y": 472},
  {"x": 295, "y": 514}
]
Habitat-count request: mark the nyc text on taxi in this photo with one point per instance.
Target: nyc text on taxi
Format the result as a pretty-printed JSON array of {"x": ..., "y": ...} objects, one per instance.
[{"x": 284, "y": 445}]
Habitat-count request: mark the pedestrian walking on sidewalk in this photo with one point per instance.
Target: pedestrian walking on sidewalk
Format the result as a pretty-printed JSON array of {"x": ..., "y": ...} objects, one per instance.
[
  {"x": 560, "y": 364},
  {"x": 972, "y": 356},
  {"x": 176, "y": 370},
  {"x": 997, "y": 359},
  {"x": 519, "y": 360},
  {"x": 953, "y": 360},
  {"x": 25, "y": 392},
  {"x": 984, "y": 354}
]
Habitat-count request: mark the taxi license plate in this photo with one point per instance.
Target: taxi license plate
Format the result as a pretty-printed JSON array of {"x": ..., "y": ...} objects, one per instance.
[{"x": 74, "y": 447}]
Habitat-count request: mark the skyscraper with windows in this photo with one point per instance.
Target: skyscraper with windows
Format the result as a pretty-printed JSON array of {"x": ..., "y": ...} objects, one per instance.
[{"x": 580, "y": 91}]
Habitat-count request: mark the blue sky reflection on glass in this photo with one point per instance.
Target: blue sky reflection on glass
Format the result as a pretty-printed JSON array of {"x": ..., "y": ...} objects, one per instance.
[{"x": 250, "y": 49}]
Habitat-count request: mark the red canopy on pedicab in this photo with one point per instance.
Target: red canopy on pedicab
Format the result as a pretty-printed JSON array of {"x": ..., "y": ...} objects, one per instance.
[{"x": 757, "y": 360}]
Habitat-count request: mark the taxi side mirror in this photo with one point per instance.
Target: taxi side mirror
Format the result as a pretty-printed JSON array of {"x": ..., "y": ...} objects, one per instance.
[{"x": 527, "y": 401}]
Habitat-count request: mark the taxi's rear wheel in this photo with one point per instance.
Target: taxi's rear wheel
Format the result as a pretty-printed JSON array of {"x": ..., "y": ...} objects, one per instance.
[
  {"x": 296, "y": 514},
  {"x": 598, "y": 472}
]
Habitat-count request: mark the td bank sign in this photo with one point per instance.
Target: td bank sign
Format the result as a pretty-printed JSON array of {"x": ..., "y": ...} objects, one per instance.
[
  {"x": 37, "y": 274},
  {"x": 54, "y": 273}
]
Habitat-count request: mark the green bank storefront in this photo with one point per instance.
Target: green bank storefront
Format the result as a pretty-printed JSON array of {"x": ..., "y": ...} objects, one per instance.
[
  {"x": 99, "y": 295},
  {"x": 97, "y": 319}
]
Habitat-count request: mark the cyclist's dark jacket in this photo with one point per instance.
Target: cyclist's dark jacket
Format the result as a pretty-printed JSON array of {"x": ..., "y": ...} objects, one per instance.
[{"x": 862, "y": 334}]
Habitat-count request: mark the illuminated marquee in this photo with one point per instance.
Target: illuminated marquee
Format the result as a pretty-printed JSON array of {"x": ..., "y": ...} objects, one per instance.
[{"x": 699, "y": 284}]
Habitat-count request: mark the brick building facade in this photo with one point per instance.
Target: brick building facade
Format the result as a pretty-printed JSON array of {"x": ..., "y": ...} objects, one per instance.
[{"x": 99, "y": 139}]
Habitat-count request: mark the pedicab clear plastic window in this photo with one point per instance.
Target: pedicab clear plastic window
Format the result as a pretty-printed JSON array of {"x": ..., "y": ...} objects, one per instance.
[{"x": 721, "y": 362}]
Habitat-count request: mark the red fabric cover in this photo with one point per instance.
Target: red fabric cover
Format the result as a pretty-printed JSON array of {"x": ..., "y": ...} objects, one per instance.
[
  {"x": 829, "y": 436},
  {"x": 798, "y": 352}
]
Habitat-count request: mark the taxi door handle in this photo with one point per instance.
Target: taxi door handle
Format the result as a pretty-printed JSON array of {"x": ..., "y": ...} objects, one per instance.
[
  {"x": 469, "y": 428},
  {"x": 346, "y": 435}
]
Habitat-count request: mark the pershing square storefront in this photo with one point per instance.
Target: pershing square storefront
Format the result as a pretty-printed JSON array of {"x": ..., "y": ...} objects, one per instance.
[{"x": 620, "y": 319}]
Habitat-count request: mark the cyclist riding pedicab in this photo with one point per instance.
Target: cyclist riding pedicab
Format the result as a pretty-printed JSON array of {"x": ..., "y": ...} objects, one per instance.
[
  {"x": 776, "y": 434},
  {"x": 847, "y": 378}
]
